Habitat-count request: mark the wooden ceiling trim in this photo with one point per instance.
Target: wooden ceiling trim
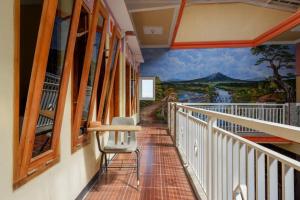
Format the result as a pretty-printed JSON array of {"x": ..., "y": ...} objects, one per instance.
[
  {"x": 173, "y": 25},
  {"x": 287, "y": 24},
  {"x": 182, "y": 5},
  {"x": 213, "y": 44}
]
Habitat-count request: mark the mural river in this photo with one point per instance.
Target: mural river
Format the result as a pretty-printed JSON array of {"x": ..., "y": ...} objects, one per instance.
[{"x": 222, "y": 96}]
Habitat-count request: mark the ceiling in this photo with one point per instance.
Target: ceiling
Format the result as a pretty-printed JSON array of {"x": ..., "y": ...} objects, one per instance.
[
  {"x": 121, "y": 15},
  {"x": 290, "y": 5},
  {"x": 227, "y": 22},
  {"x": 162, "y": 15},
  {"x": 155, "y": 14},
  {"x": 156, "y": 19}
]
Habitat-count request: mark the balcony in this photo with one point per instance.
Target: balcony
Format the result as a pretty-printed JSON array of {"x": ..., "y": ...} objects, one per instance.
[{"x": 205, "y": 153}]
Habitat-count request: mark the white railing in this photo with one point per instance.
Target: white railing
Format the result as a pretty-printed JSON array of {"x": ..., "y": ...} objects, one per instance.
[
  {"x": 49, "y": 98},
  {"x": 264, "y": 111},
  {"x": 271, "y": 112},
  {"x": 225, "y": 166}
]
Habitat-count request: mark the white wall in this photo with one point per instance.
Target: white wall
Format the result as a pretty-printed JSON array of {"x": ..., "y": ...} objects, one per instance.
[
  {"x": 66, "y": 179},
  {"x": 6, "y": 97}
]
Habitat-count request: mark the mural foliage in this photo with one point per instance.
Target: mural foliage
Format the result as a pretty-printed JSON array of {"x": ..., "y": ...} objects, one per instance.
[{"x": 228, "y": 75}]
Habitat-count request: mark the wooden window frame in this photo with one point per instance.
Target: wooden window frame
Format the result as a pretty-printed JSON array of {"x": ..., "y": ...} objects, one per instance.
[
  {"x": 26, "y": 167},
  {"x": 115, "y": 98},
  {"x": 133, "y": 98},
  {"x": 128, "y": 89},
  {"x": 79, "y": 141},
  {"x": 136, "y": 92},
  {"x": 137, "y": 96},
  {"x": 106, "y": 92},
  {"x": 89, "y": 4}
]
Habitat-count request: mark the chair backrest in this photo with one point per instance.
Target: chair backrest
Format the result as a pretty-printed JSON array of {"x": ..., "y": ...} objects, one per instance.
[{"x": 121, "y": 121}]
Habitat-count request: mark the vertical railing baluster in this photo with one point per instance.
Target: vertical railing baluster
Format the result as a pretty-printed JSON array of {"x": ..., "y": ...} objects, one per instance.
[
  {"x": 283, "y": 114},
  {"x": 210, "y": 164},
  {"x": 260, "y": 176},
  {"x": 272, "y": 170},
  {"x": 230, "y": 168},
  {"x": 224, "y": 167},
  {"x": 242, "y": 169},
  {"x": 219, "y": 165},
  {"x": 287, "y": 182},
  {"x": 235, "y": 164},
  {"x": 250, "y": 173}
]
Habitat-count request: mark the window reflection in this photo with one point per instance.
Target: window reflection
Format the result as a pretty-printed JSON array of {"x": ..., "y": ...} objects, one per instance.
[
  {"x": 132, "y": 82},
  {"x": 30, "y": 14},
  {"x": 79, "y": 54},
  {"x": 111, "y": 67},
  {"x": 101, "y": 80},
  {"x": 51, "y": 86},
  {"x": 92, "y": 72}
]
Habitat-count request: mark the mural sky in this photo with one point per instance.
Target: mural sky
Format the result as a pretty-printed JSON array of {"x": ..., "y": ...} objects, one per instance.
[{"x": 191, "y": 64}]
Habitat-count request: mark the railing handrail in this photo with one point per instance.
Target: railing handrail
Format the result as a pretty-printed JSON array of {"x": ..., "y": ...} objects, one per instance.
[
  {"x": 230, "y": 104},
  {"x": 288, "y": 132}
]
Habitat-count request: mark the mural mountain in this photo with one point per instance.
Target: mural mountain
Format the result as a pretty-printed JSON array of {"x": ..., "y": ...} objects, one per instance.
[{"x": 215, "y": 77}]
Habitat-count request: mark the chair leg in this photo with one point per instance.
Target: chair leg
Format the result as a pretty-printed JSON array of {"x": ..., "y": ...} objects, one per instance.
[
  {"x": 101, "y": 163},
  {"x": 138, "y": 166}
]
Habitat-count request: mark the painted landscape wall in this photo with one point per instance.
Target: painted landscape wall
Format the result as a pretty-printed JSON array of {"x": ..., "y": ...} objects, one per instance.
[{"x": 224, "y": 75}]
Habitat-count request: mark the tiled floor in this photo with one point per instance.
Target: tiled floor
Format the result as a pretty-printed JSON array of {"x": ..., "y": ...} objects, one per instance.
[{"x": 162, "y": 175}]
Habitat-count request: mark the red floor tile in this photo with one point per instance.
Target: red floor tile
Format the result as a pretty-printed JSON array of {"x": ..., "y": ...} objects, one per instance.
[{"x": 161, "y": 173}]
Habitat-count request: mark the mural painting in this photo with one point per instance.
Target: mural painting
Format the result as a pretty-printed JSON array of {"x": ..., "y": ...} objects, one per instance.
[{"x": 226, "y": 75}]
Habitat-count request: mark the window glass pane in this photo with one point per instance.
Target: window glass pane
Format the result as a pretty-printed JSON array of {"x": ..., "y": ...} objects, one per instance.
[
  {"x": 79, "y": 54},
  {"x": 50, "y": 92},
  {"x": 30, "y": 14},
  {"x": 147, "y": 88},
  {"x": 115, "y": 46},
  {"x": 114, "y": 53},
  {"x": 92, "y": 72},
  {"x": 101, "y": 80},
  {"x": 132, "y": 83}
]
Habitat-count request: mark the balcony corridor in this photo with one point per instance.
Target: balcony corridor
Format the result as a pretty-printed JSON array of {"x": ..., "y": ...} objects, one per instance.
[{"x": 162, "y": 174}]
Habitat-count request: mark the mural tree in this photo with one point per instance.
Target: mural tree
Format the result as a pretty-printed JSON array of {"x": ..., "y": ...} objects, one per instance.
[
  {"x": 169, "y": 96},
  {"x": 277, "y": 57}
]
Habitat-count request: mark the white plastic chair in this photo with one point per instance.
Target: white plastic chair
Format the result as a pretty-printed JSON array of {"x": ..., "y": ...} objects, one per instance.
[{"x": 126, "y": 143}]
